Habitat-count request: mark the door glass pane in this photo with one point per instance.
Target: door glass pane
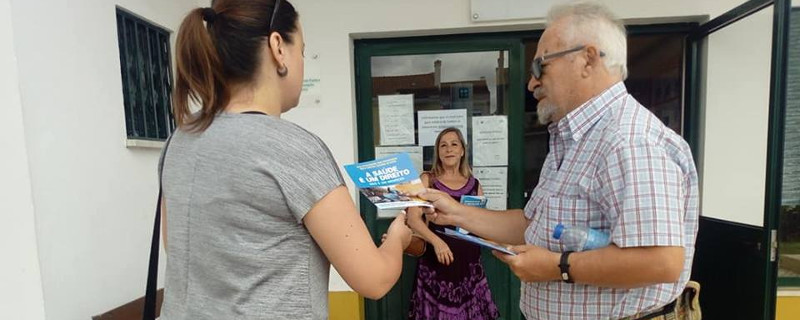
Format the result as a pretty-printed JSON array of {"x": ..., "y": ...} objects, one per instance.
[
  {"x": 443, "y": 90},
  {"x": 413, "y": 98},
  {"x": 789, "y": 233},
  {"x": 655, "y": 68},
  {"x": 735, "y": 100}
]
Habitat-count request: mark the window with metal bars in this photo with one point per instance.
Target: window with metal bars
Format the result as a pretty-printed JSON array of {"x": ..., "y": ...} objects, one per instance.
[{"x": 144, "y": 54}]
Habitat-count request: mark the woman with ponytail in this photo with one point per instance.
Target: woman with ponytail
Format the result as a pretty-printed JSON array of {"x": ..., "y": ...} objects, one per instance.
[{"x": 255, "y": 207}]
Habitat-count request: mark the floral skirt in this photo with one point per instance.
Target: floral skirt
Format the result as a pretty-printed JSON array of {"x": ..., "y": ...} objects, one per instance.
[{"x": 435, "y": 298}]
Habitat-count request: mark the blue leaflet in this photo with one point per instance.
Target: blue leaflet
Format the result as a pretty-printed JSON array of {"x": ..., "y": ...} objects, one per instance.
[
  {"x": 386, "y": 182},
  {"x": 473, "y": 201},
  {"x": 476, "y": 240},
  {"x": 383, "y": 172}
]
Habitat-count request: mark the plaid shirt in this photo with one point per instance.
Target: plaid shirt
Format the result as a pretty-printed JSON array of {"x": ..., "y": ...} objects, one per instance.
[{"x": 613, "y": 166}]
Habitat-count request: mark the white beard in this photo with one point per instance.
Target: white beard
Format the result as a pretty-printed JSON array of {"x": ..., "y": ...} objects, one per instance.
[{"x": 545, "y": 112}]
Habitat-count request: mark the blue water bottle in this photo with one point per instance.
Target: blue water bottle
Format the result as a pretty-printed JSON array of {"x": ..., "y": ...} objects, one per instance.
[{"x": 576, "y": 238}]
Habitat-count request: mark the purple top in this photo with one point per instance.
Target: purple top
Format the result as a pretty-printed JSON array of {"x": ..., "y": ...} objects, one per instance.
[{"x": 469, "y": 188}]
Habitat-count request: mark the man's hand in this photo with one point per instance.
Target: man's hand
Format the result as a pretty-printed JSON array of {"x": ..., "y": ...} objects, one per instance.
[
  {"x": 500, "y": 226},
  {"x": 532, "y": 263},
  {"x": 447, "y": 209}
]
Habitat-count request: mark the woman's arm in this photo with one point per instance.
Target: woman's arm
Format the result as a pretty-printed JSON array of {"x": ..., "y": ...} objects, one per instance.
[
  {"x": 336, "y": 226},
  {"x": 421, "y": 228},
  {"x": 415, "y": 217}
]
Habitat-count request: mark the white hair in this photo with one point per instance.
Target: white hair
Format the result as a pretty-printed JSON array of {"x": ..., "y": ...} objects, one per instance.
[{"x": 591, "y": 23}]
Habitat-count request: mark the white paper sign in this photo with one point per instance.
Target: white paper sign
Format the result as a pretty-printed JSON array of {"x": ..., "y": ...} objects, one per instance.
[
  {"x": 311, "y": 96},
  {"x": 415, "y": 152},
  {"x": 494, "y": 182},
  {"x": 431, "y": 122},
  {"x": 490, "y": 141},
  {"x": 396, "y": 119}
]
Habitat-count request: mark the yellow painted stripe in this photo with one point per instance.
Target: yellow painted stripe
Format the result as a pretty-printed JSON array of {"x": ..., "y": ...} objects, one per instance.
[
  {"x": 788, "y": 308},
  {"x": 348, "y": 305},
  {"x": 345, "y": 305}
]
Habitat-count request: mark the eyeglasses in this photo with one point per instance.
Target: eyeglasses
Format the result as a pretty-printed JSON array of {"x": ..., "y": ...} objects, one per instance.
[
  {"x": 537, "y": 66},
  {"x": 274, "y": 13}
]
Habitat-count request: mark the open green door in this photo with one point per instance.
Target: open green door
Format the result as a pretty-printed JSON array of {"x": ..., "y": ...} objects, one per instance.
[{"x": 736, "y": 97}]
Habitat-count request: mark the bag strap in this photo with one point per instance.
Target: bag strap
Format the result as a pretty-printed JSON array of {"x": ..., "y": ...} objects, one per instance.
[{"x": 149, "y": 312}]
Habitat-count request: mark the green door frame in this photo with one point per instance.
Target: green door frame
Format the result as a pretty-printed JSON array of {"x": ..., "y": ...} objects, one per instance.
[
  {"x": 777, "y": 110},
  {"x": 364, "y": 51}
]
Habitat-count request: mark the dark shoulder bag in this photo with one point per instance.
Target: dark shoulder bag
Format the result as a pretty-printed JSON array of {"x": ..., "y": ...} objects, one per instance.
[{"x": 153, "y": 298}]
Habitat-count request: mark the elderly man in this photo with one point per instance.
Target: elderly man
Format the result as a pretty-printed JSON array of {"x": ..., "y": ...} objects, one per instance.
[{"x": 612, "y": 166}]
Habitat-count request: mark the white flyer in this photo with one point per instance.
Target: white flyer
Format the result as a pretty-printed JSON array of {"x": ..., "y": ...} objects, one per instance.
[
  {"x": 494, "y": 182},
  {"x": 415, "y": 152},
  {"x": 396, "y": 119},
  {"x": 490, "y": 141},
  {"x": 431, "y": 122}
]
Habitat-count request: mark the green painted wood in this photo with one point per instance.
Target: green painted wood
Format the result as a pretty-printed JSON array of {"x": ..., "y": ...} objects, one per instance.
[
  {"x": 775, "y": 146},
  {"x": 729, "y": 265},
  {"x": 692, "y": 107},
  {"x": 789, "y": 282}
]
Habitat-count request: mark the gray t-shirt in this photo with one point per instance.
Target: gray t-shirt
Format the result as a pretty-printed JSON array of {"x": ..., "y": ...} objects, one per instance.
[{"x": 236, "y": 195}]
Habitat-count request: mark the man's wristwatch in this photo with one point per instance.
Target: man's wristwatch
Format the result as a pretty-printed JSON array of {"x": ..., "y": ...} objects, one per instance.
[{"x": 564, "y": 266}]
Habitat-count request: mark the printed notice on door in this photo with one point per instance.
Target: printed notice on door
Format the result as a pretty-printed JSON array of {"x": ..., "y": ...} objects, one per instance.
[
  {"x": 434, "y": 121},
  {"x": 414, "y": 152},
  {"x": 396, "y": 119},
  {"x": 490, "y": 141},
  {"x": 494, "y": 181}
]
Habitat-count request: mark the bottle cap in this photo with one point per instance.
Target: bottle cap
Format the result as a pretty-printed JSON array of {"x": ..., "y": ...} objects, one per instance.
[{"x": 558, "y": 231}]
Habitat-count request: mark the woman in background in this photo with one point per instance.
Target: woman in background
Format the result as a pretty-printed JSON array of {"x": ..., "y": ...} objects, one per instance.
[{"x": 450, "y": 282}]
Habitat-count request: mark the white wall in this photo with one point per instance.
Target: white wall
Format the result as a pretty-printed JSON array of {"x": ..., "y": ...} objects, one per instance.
[
  {"x": 94, "y": 198},
  {"x": 330, "y": 27},
  {"x": 20, "y": 279}
]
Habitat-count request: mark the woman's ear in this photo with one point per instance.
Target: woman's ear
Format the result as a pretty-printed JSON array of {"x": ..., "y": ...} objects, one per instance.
[{"x": 276, "y": 48}]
